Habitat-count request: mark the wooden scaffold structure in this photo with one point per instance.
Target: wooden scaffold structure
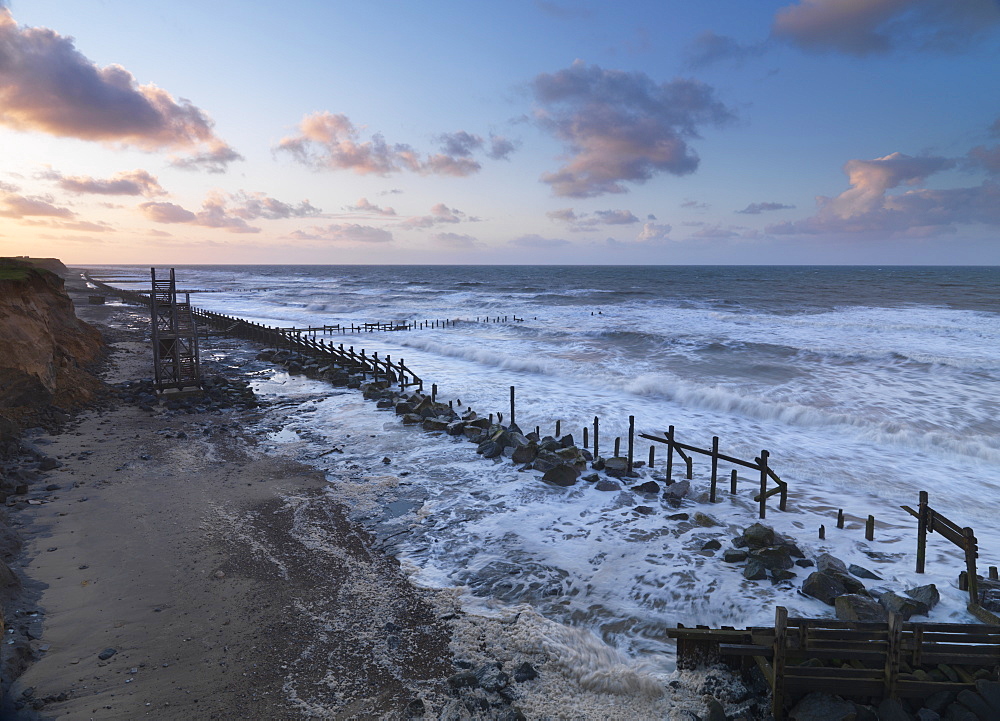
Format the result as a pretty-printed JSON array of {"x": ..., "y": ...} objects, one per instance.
[{"x": 175, "y": 337}]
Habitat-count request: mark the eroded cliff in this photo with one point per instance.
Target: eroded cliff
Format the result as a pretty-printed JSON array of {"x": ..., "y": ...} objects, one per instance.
[{"x": 44, "y": 348}]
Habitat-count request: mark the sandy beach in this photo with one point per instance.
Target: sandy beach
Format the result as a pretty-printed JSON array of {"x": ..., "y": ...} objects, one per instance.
[{"x": 172, "y": 569}]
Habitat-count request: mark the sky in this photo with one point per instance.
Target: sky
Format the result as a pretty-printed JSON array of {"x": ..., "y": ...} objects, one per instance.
[{"x": 523, "y": 132}]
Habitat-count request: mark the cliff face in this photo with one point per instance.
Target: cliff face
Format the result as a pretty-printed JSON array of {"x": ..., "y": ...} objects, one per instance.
[{"x": 44, "y": 348}]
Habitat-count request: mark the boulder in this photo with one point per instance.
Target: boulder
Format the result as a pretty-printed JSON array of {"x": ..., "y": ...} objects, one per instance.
[
  {"x": 754, "y": 570},
  {"x": 891, "y": 709},
  {"x": 677, "y": 491},
  {"x": 435, "y": 424},
  {"x": 524, "y": 454},
  {"x": 758, "y": 536},
  {"x": 734, "y": 555},
  {"x": 705, "y": 521},
  {"x": 862, "y": 572},
  {"x": 826, "y": 563},
  {"x": 927, "y": 595},
  {"x": 647, "y": 487},
  {"x": 990, "y": 691},
  {"x": 902, "y": 606},
  {"x": 561, "y": 475},
  {"x": 712, "y": 545},
  {"x": 525, "y": 672},
  {"x": 823, "y": 707},
  {"x": 616, "y": 467},
  {"x": 489, "y": 449},
  {"x": 823, "y": 586},
  {"x": 782, "y": 574},
  {"x": 411, "y": 419},
  {"x": 606, "y": 485},
  {"x": 772, "y": 558},
  {"x": 566, "y": 441},
  {"x": 854, "y": 607},
  {"x": 455, "y": 428}
]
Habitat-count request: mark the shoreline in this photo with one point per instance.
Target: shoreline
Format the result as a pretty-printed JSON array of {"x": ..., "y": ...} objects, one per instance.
[{"x": 251, "y": 594}]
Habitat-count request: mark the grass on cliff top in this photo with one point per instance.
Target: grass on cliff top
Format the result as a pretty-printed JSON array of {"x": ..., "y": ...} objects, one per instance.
[{"x": 13, "y": 272}]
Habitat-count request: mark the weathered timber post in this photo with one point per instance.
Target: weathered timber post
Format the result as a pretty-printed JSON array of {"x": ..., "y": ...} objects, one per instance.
[
  {"x": 822, "y": 532},
  {"x": 715, "y": 467},
  {"x": 923, "y": 513},
  {"x": 434, "y": 393},
  {"x": 670, "y": 454},
  {"x": 690, "y": 471},
  {"x": 558, "y": 428},
  {"x": 512, "y": 405},
  {"x": 763, "y": 483},
  {"x": 892, "y": 654},
  {"x": 402, "y": 376},
  {"x": 652, "y": 456},
  {"x": 870, "y": 528},
  {"x": 778, "y": 662},
  {"x": 596, "y": 436},
  {"x": 840, "y": 522},
  {"x": 631, "y": 441},
  {"x": 971, "y": 551},
  {"x": 585, "y": 439},
  {"x": 993, "y": 574},
  {"x": 732, "y": 482},
  {"x": 618, "y": 446}
]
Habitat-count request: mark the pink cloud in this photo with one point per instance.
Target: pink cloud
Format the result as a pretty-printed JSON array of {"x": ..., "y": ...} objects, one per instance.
[
  {"x": 440, "y": 214},
  {"x": 364, "y": 206},
  {"x": 457, "y": 241},
  {"x": 584, "y": 222},
  {"x": 345, "y": 233},
  {"x": 230, "y": 212},
  {"x": 331, "y": 141},
  {"x": 865, "y": 27},
  {"x": 162, "y": 212},
  {"x": 48, "y": 86},
  {"x": 131, "y": 182},
  {"x": 621, "y": 127},
  {"x": 13, "y": 205}
]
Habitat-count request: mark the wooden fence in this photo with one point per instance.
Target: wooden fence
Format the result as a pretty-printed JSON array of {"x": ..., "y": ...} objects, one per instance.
[{"x": 866, "y": 661}]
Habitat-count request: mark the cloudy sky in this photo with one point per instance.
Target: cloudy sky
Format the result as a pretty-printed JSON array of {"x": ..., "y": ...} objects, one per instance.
[{"x": 528, "y": 131}]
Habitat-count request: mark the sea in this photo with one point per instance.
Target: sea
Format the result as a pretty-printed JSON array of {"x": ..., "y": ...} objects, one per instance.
[{"x": 866, "y": 385}]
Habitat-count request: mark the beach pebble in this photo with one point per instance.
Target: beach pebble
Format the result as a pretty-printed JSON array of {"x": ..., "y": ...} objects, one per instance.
[{"x": 107, "y": 653}]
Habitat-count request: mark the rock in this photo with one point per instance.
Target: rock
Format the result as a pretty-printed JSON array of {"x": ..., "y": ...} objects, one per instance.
[
  {"x": 927, "y": 595},
  {"x": 591, "y": 478},
  {"x": 464, "y": 679},
  {"x": 862, "y": 572},
  {"x": 704, "y": 520},
  {"x": 616, "y": 467},
  {"x": 546, "y": 460},
  {"x": 977, "y": 704},
  {"x": 524, "y": 454},
  {"x": 606, "y": 485},
  {"x": 772, "y": 558},
  {"x": 386, "y": 460},
  {"x": 489, "y": 449},
  {"x": 677, "y": 491},
  {"x": 940, "y": 700},
  {"x": 435, "y": 424},
  {"x": 715, "y": 711},
  {"x": 823, "y": 586},
  {"x": 804, "y": 563},
  {"x": 48, "y": 463},
  {"x": 415, "y": 709},
  {"x": 455, "y": 428},
  {"x": 925, "y": 714},
  {"x": 782, "y": 575},
  {"x": 734, "y": 555},
  {"x": 754, "y": 570},
  {"x": 678, "y": 517},
  {"x": 644, "y": 510},
  {"x": 712, "y": 545},
  {"x": 823, "y": 707},
  {"x": 525, "y": 672},
  {"x": 853, "y": 607},
  {"x": 561, "y": 475},
  {"x": 566, "y": 441},
  {"x": 52, "y": 487},
  {"x": 891, "y": 709},
  {"x": 758, "y": 536},
  {"x": 411, "y": 419},
  {"x": 958, "y": 712},
  {"x": 647, "y": 487},
  {"x": 902, "y": 606},
  {"x": 826, "y": 563},
  {"x": 990, "y": 691},
  {"x": 492, "y": 678},
  {"x": 107, "y": 653}
]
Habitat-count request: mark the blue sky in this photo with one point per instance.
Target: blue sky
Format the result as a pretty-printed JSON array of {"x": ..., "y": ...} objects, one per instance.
[{"x": 798, "y": 131}]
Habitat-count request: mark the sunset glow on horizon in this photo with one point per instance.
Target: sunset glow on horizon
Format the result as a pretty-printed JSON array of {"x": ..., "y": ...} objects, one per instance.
[{"x": 544, "y": 131}]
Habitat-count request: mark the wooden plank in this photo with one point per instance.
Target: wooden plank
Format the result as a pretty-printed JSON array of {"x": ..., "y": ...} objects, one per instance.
[
  {"x": 915, "y": 688},
  {"x": 833, "y": 672},
  {"x": 858, "y": 687},
  {"x": 778, "y": 660},
  {"x": 983, "y": 615},
  {"x": 846, "y": 655}
]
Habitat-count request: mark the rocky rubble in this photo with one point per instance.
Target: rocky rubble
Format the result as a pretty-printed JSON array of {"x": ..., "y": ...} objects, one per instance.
[{"x": 983, "y": 704}]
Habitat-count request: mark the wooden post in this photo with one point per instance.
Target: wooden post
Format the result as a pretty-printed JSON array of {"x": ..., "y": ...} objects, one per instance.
[
  {"x": 892, "y": 654},
  {"x": 402, "y": 376},
  {"x": 840, "y": 518},
  {"x": 732, "y": 482},
  {"x": 491, "y": 419},
  {"x": 434, "y": 392},
  {"x": 763, "y": 483},
  {"x": 670, "y": 454},
  {"x": 652, "y": 457},
  {"x": 512, "y": 405},
  {"x": 993, "y": 574},
  {"x": 715, "y": 467},
  {"x": 631, "y": 442},
  {"x": 822, "y": 533},
  {"x": 538, "y": 431},
  {"x": 585, "y": 439},
  {"x": 690, "y": 471},
  {"x": 618, "y": 446},
  {"x": 870, "y": 528},
  {"x": 558, "y": 428},
  {"x": 923, "y": 515},
  {"x": 596, "y": 436},
  {"x": 971, "y": 551},
  {"x": 778, "y": 663}
]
